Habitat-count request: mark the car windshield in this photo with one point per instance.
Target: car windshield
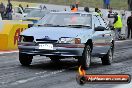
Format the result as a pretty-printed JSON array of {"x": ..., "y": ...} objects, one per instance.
[
  {"x": 37, "y": 13},
  {"x": 66, "y": 19}
]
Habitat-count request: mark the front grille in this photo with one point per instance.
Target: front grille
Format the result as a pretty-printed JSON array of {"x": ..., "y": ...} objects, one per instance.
[{"x": 46, "y": 40}]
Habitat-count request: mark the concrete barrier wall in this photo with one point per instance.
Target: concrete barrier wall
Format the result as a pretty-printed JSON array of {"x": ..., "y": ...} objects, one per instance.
[{"x": 9, "y": 34}]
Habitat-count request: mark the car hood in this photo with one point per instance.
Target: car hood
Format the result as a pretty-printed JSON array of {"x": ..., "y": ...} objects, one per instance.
[{"x": 54, "y": 33}]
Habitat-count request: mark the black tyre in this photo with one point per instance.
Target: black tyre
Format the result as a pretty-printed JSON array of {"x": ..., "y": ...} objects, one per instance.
[
  {"x": 85, "y": 59},
  {"x": 25, "y": 59},
  {"x": 107, "y": 59}
]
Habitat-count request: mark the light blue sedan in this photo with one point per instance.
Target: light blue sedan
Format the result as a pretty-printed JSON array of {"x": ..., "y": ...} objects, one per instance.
[{"x": 65, "y": 34}]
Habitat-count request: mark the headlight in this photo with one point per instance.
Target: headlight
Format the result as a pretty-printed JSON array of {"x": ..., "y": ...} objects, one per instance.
[
  {"x": 26, "y": 39},
  {"x": 70, "y": 40}
]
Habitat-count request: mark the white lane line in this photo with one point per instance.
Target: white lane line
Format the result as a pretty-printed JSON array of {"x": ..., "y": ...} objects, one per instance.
[
  {"x": 41, "y": 72},
  {"x": 38, "y": 77},
  {"x": 6, "y": 52},
  {"x": 23, "y": 81}
]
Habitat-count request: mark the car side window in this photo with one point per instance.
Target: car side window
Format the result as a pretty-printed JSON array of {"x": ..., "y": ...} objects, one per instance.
[{"x": 96, "y": 22}]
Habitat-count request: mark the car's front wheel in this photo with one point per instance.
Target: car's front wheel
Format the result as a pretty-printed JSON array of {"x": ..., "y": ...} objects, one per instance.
[
  {"x": 107, "y": 59},
  {"x": 85, "y": 59},
  {"x": 25, "y": 59}
]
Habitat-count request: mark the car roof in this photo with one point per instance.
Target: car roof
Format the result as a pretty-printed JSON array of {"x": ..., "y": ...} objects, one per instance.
[{"x": 79, "y": 12}]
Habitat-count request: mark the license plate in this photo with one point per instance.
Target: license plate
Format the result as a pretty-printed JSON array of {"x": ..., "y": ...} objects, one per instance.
[{"x": 46, "y": 46}]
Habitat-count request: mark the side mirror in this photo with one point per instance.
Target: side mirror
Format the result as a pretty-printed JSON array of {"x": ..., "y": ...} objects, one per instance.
[
  {"x": 100, "y": 28},
  {"x": 20, "y": 12}
]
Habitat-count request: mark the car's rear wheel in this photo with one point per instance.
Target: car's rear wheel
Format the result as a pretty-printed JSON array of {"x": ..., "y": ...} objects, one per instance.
[
  {"x": 85, "y": 59},
  {"x": 25, "y": 59},
  {"x": 107, "y": 59}
]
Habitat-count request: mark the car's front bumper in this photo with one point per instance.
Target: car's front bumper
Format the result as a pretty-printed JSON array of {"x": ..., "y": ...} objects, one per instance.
[{"x": 58, "y": 49}]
